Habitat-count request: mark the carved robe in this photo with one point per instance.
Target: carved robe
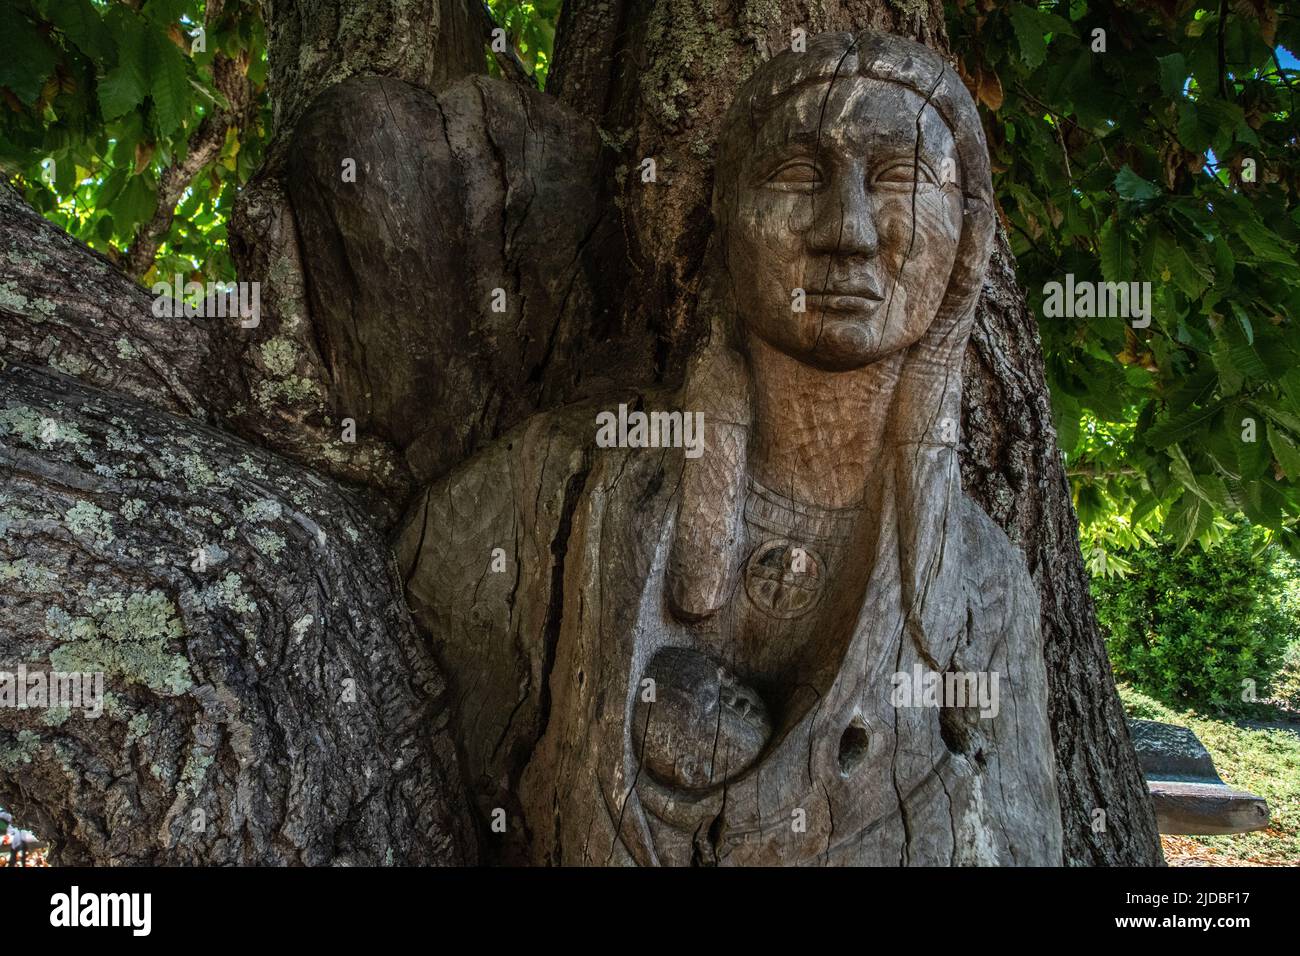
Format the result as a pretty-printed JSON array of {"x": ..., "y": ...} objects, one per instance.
[{"x": 559, "y": 660}]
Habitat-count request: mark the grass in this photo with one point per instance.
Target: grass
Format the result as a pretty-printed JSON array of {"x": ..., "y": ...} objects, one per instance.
[{"x": 1265, "y": 761}]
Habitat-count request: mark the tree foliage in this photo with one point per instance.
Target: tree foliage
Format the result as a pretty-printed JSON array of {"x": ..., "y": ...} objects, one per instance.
[
  {"x": 1169, "y": 158},
  {"x": 99, "y": 100}
]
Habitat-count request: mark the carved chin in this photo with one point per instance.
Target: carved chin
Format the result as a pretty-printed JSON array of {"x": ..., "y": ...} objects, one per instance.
[
  {"x": 842, "y": 339},
  {"x": 845, "y": 344}
]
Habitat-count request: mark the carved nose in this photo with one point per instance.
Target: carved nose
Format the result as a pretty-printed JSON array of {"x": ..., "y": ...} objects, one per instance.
[{"x": 843, "y": 221}]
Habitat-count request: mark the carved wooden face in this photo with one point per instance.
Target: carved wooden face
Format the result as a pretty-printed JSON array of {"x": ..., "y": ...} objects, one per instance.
[{"x": 851, "y": 193}]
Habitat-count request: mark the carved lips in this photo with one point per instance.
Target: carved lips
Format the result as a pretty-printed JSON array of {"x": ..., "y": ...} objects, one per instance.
[{"x": 858, "y": 296}]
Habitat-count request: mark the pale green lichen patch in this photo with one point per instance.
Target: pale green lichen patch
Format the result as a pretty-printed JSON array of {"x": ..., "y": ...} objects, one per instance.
[
  {"x": 55, "y": 716},
  {"x": 228, "y": 593},
  {"x": 280, "y": 356},
  {"x": 85, "y": 520},
  {"x": 14, "y": 301},
  {"x": 39, "y": 431},
  {"x": 137, "y": 727},
  {"x": 125, "y": 349},
  {"x": 268, "y": 543},
  {"x": 132, "y": 508},
  {"x": 126, "y": 440},
  {"x": 21, "y": 754},
  {"x": 263, "y": 510},
  {"x": 196, "y": 769},
  {"x": 194, "y": 472},
  {"x": 124, "y": 636},
  {"x": 28, "y": 576},
  {"x": 295, "y": 389},
  {"x": 214, "y": 554},
  {"x": 251, "y": 467},
  {"x": 73, "y": 365},
  {"x": 912, "y": 10},
  {"x": 697, "y": 50}
]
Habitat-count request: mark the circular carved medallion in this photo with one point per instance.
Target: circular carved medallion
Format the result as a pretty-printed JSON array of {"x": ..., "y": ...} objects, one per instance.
[{"x": 784, "y": 579}]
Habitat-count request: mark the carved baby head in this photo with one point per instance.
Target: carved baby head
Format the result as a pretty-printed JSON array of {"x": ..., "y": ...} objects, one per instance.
[{"x": 847, "y": 190}]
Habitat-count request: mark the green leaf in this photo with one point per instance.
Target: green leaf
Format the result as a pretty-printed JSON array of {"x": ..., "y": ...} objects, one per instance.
[
  {"x": 1223, "y": 120},
  {"x": 119, "y": 92},
  {"x": 1190, "y": 518},
  {"x": 82, "y": 24},
  {"x": 1192, "y": 133},
  {"x": 1181, "y": 469},
  {"x": 1173, "y": 74},
  {"x": 1280, "y": 415},
  {"x": 1262, "y": 241},
  {"x": 1116, "y": 257},
  {"x": 27, "y": 60},
  {"x": 1286, "y": 452},
  {"x": 134, "y": 204},
  {"x": 1131, "y": 186},
  {"x": 1253, "y": 456},
  {"x": 1175, "y": 428},
  {"x": 167, "y": 12},
  {"x": 124, "y": 87},
  {"x": 168, "y": 83},
  {"x": 1029, "y": 35},
  {"x": 1231, "y": 378},
  {"x": 1265, "y": 501}
]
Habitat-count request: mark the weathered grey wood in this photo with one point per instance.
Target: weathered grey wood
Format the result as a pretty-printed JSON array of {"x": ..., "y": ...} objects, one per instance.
[
  {"x": 273, "y": 706},
  {"x": 1206, "y": 809},
  {"x": 658, "y": 83},
  {"x": 469, "y": 274},
  {"x": 1169, "y": 752},
  {"x": 684, "y": 659}
]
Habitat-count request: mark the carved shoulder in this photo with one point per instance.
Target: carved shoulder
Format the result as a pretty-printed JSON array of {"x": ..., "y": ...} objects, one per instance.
[{"x": 998, "y": 584}]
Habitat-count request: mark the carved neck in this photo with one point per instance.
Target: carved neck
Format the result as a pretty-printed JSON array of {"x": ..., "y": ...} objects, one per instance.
[{"x": 818, "y": 437}]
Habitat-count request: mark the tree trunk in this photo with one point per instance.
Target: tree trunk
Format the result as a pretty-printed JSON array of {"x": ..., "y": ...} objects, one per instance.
[
  {"x": 267, "y": 699},
  {"x": 654, "y": 77}
]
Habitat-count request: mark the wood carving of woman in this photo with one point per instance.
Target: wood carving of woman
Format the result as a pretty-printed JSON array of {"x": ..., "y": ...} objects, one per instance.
[{"x": 663, "y": 659}]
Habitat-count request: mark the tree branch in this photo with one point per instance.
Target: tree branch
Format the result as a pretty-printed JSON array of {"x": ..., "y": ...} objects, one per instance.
[{"x": 230, "y": 79}]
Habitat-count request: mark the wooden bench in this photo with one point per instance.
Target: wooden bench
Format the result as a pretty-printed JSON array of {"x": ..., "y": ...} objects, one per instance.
[{"x": 1189, "y": 796}]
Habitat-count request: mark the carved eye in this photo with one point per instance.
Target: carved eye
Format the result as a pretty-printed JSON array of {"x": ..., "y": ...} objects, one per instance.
[
  {"x": 796, "y": 175},
  {"x": 906, "y": 172}
]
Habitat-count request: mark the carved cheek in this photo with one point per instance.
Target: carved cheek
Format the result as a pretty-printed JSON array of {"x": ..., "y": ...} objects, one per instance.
[
  {"x": 912, "y": 254},
  {"x": 771, "y": 226},
  {"x": 900, "y": 244},
  {"x": 798, "y": 213}
]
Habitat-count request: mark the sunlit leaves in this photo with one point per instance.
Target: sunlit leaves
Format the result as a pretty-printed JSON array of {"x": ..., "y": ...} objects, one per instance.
[
  {"x": 116, "y": 106},
  {"x": 530, "y": 28}
]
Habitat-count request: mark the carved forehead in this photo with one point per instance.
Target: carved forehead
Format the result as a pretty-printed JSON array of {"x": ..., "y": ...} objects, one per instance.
[{"x": 855, "y": 116}]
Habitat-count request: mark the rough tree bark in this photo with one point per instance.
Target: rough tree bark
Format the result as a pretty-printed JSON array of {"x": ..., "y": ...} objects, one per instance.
[
  {"x": 268, "y": 699},
  {"x": 654, "y": 77}
]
